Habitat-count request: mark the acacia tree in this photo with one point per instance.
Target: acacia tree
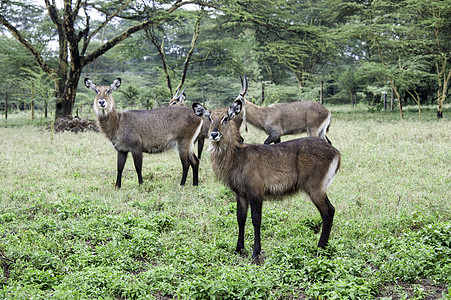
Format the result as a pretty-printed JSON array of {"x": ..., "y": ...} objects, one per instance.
[
  {"x": 293, "y": 38},
  {"x": 434, "y": 22},
  {"x": 74, "y": 34}
]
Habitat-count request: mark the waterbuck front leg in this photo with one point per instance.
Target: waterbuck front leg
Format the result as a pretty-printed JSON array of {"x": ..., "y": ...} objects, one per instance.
[
  {"x": 241, "y": 215},
  {"x": 200, "y": 147},
  {"x": 138, "y": 160},
  {"x": 184, "y": 158},
  {"x": 121, "y": 159}
]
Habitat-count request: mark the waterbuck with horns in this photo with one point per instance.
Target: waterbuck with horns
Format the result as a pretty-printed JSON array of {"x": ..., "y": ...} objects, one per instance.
[
  {"x": 286, "y": 118},
  {"x": 149, "y": 131},
  {"x": 179, "y": 100},
  {"x": 254, "y": 172}
]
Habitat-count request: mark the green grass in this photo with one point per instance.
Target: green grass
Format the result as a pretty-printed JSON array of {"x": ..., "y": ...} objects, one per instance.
[{"x": 67, "y": 233}]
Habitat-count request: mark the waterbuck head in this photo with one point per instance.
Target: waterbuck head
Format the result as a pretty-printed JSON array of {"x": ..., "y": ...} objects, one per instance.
[
  {"x": 222, "y": 131},
  {"x": 178, "y": 99},
  {"x": 103, "y": 102}
]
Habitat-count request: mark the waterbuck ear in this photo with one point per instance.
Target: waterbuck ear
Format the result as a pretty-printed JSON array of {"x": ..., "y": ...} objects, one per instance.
[
  {"x": 201, "y": 110},
  {"x": 116, "y": 83},
  {"x": 90, "y": 85},
  {"x": 235, "y": 108}
]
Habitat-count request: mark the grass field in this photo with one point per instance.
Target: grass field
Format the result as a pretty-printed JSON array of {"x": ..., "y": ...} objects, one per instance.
[{"x": 67, "y": 233}]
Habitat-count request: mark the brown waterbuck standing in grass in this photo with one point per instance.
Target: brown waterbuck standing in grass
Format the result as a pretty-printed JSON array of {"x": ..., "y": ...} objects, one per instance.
[
  {"x": 286, "y": 118},
  {"x": 179, "y": 100},
  {"x": 254, "y": 172},
  {"x": 149, "y": 131}
]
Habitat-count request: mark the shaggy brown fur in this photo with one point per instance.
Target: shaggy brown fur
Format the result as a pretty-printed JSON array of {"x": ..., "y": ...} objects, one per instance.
[
  {"x": 254, "y": 172},
  {"x": 286, "y": 118},
  {"x": 149, "y": 131}
]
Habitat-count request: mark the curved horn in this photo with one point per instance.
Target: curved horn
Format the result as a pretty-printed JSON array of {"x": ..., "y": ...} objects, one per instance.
[
  {"x": 182, "y": 92},
  {"x": 177, "y": 95},
  {"x": 244, "y": 86}
]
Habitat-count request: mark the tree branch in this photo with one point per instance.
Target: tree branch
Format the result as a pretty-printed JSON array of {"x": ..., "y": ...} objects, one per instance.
[
  {"x": 160, "y": 50},
  {"x": 101, "y": 26},
  {"x": 190, "y": 52},
  {"x": 119, "y": 38},
  {"x": 46, "y": 68}
]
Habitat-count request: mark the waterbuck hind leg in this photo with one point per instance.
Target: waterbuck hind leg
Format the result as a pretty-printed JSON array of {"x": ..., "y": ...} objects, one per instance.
[
  {"x": 185, "y": 167},
  {"x": 274, "y": 137},
  {"x": 138, "y": 160},
  {"x": 241, "y": 215},
  {"x": 256, "y": 213},
  {"x": 327, "y": 212},
  {"x": 121, "y": 159},
  {"x": 194, "y": 163}
]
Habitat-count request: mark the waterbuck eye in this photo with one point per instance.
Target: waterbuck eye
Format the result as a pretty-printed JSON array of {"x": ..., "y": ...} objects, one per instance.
[{"x": 224, "y": 119}]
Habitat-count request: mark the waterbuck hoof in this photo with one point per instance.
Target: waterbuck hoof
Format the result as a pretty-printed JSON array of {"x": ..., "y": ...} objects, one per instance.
[
  {"x": 259, "y": 259},
  {"x": 240, "y": 251}
]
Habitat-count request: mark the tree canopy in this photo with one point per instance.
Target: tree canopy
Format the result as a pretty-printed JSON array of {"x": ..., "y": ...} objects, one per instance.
[{"x": 360, "y": 49}]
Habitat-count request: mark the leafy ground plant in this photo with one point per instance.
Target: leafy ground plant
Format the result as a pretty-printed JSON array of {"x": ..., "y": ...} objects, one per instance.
[{"x": 67, "y": 233}]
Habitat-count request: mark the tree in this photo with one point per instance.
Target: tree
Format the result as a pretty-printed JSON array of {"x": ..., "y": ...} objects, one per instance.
[
  {"x": 434, "y": 22},
  {"x": 74, "y": 35},
  {"x": 39, "y": 87},
  {"x": 156, "y": 34}
]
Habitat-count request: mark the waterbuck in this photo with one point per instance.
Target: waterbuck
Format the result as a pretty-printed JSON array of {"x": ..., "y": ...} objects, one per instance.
[
  {"x": 179, "y": 100},
  {"x": 254, "y": 172},
  {"x": 149, "y": 131},
  {"x": 286, "y": 118}
]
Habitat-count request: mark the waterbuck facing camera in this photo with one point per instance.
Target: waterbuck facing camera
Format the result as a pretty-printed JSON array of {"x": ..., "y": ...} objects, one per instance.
[
  {"x": 146, "y": 131},
  {"x": 254, "y": 172}
]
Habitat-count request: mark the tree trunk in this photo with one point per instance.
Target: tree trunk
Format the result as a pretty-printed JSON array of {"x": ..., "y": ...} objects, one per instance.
[
  {"x": 321, "y": 92},
  {"x": 442, "y": 88},
  {"x": 65, "y": 99},
  {"x": 32, "y": 110},
  {"x": 6, "y": 105}
]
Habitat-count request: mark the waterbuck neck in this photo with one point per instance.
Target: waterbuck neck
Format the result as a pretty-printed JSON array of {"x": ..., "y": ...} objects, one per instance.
[
  {"x": 109, "y": 123},
  {"x": 255, "y": 114},
  {"x": 223, "y": 161},
  {"x": 223, "y": 154}
]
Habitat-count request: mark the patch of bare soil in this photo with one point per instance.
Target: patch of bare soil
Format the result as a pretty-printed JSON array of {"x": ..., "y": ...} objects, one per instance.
[
  {"x": 74, "y": 124},
  {"x": 422, "y": 289}
]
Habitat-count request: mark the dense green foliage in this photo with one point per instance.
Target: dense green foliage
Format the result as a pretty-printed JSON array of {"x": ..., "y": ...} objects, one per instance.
[
  {"x": 360, "y": 50},
  {"x": 66, "y": 233}
]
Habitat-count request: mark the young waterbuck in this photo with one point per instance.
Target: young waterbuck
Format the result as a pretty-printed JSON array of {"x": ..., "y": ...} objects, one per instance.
[
  {"x": 149, "y": 131},
  {"x": 254, "y": 172},
  {"x": 286, "y": 118}
]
